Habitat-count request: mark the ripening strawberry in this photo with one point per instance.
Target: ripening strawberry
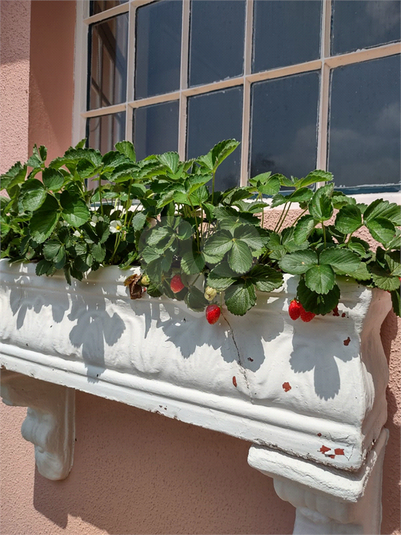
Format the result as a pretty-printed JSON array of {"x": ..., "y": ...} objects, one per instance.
[
  {"x": 212, "y": 313},
  {"x": 306, "y": 316},
  {"x": 294, "y": 310},
  {"x": 210, "y": 293},
  {"x": 176, "y": 284}
]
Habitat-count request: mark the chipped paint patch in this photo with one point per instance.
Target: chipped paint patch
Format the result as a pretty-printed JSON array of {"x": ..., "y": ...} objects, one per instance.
[
  {"x": 235, "y": 381},
  {"x": 339, "y": 451},
  {"x": 324, "y": 449},
  {"x": 347, "y": 341},
  {"x": 286, "y": 387}
]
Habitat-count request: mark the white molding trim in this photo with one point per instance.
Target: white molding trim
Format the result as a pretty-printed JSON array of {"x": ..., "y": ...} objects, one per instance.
[{"x": 50, "y": 420}]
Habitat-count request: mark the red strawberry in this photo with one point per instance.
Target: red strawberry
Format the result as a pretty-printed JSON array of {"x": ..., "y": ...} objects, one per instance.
[
  {"x": 176, "y": 284},
  {"x": 294, "y": 310},
  {"x": 306, "y": 316},
  {"x": 212, "y": 313}
]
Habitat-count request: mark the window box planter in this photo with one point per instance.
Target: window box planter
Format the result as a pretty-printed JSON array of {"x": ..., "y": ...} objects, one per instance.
[{"x": 309, "y": 396}]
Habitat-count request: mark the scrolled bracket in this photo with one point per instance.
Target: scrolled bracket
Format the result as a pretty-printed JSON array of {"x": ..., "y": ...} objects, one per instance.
[
  {"x": 50, "y": 420},
  {"x": 328, "y": 501}
]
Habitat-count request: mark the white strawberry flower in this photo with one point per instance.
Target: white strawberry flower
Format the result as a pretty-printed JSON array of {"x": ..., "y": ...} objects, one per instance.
[
  {"x": 76, "y": 233},
  {"x": 96, "y": 219},
  {"x": 116, "y": 226}
]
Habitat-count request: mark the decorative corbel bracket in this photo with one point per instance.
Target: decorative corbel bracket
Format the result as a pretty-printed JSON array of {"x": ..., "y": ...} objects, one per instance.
[
  {"x": 50, "y": 420},
  {"x": 328, "y": 501}
]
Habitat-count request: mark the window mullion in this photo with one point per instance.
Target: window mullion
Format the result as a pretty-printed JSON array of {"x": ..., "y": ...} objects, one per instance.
[
  {"x": 182, "y": 113},
  {"x": 130, "y": 72},
  {"x": 324, "y": 97},
  {"x": 246, "y": 111}
]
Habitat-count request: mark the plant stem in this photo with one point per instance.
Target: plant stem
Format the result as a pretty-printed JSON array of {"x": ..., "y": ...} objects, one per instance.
[
  {"x": 283, "y": 216},
  {"x": 100, "y": 195},
  {"x": 324, "y": 234},
  {"x": 213, "y": 181}
]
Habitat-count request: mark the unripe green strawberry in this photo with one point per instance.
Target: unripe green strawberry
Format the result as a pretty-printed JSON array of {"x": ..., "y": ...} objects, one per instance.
[
  {"x": 210, "y": 293},
  {"x": 145, "y": 281}
]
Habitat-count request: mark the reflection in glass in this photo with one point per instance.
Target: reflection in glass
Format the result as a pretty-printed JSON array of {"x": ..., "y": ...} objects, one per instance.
[
  {"x": 217, "y": 31},
  {"x": 156, "y": 129},
  {"x": 211, "y": 118},
  {"x": 364, "y": 136},
  {"x": 283, "y": 125},
  {"x": 158, "y": 48},
  {"x": 108, "y": 62},
  {"x": 364, "y": 23},
  {"x": 97, "y": 6},
  {"x": 105, "y": 131},
  {"x": 286, "y": 32}
]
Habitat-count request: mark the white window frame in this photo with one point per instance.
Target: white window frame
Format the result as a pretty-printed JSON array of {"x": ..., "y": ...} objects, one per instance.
[{"x": 325, "y": 64}]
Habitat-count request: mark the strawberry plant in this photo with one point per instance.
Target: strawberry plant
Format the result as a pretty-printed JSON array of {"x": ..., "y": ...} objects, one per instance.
[{"x": 85, "y": 210}]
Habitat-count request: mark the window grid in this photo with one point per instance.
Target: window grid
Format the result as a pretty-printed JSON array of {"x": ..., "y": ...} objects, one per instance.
[{"x": 325, "y": 64}]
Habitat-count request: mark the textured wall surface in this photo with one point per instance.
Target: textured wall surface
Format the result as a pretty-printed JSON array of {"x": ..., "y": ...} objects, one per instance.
[
  {"x": 15, "y": 20},
  {"x": 134, "y": 472}
]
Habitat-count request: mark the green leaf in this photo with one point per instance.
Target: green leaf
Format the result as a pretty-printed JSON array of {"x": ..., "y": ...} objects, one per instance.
[
  {"x": 271, "y": 187},
  {"x": 192, "y": 263},
  {"x": 298, "y": 262},
  {"x": 265, "y": 278},
  {"x": 158, "y": 234},
  {"x": 278, "y": 200},
  {"x": 150, "y": 254},
  {"x": 184, "y": 230},
  {"x": 262, "y": 178},
  {"x": 392, "y": 259},
  {"x": 315, "y": 302},
  {"x": 303, "y": 229},
  {"x": 34, "y": 161},
  {"x": 300, "y": 195},
  {"x": 138, "y": 221},
  {"x": 33, "y": 195},
  {"x": 381, "y": 230},
  {"x": 384, "y": 281},
  {"x": 52, "y": 179},
  {"x": 222, "y": 150},
  {"x": 195, "y": 300},
  {"x": 98, "y": 252},
  {"x": 127, "y": 149},
  {"x": 75, "y": 211},
  {"x": 221, "y": 277},
  {"x": 313, "y": 178},
  {"x": 44, "y": 267},
  {"x": 251, "y": 235},
  {"x": 44, "y": 220},
  {"x": 342, "y": 260},
  {"x": 219, "y": 243},
  {"x": 321, "y": 207},
  {"x": 320, "y": 279},
  {"x": 349, "y": 219},
  {"x": 361, "y": 274},
  {"x": 170, "y": 160},
  {"x": 240, "y": 297},
  {"x": 383, "y": 209},
  {"x": 240, "y": 257},
  {"x": 53, "y": 250},
  {"x": 340, "y": 199}
]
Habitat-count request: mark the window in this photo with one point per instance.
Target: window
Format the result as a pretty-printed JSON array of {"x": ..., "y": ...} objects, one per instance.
[{"x": 303, "y": 84}]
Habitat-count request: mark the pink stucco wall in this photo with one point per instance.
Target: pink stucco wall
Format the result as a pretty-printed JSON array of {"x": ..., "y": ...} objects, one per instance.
[{"x": 134, "y": 472}]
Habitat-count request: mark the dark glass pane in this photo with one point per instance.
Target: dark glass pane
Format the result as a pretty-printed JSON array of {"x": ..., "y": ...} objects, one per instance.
[
  {"x": 156, "y": 129},
  {"x": 214, "y": 117},
  {"x": 158, "y": 48},
  {"x": 105, "y": 131},
  {"x": 364, "y": 136},
  {"x": 286, "y": 32},
  {"x": 217, "y": 40},
  {"x": 108, "y": 42},
  {"x": 97, "y": 6},
  {"x": 364, "y": 23},
  {"x": 283, "y": 127}
]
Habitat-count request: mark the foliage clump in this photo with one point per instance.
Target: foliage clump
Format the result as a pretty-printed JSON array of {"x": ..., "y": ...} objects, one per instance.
[{"x": 91, "y": 210}]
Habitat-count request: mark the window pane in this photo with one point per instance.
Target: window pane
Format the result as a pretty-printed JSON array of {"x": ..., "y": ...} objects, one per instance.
[
  {"x": 285, "y": 32},
  {"x": 105, "y": 131},
  {"x": 364, "y": 137},
  {"x": 214, "y": 117},
  {"x": 156, "y": 129},
  {"x": 364, "y": 23},
  {"x": 158, "y": 48},
  {"x": 97, "y": 6},
  {"x": 217, "y": 40},
  {"x": 108, "y": 41},
  {"x": 283, "y": 127}
]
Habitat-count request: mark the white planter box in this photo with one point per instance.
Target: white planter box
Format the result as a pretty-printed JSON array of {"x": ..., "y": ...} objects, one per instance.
[
  {"x": 158, "y": 355},
  {"x": 313, "y": 391}
]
